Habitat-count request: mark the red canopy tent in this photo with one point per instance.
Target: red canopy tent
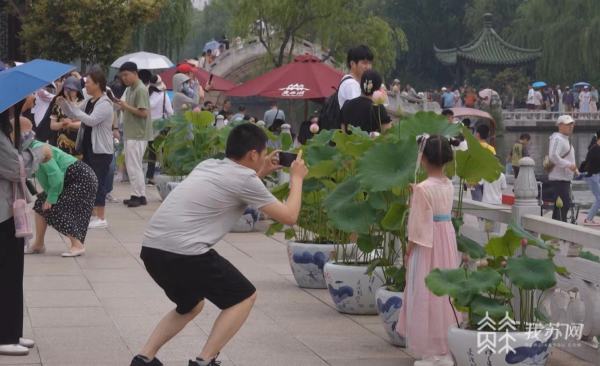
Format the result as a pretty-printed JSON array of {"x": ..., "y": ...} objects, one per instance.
[
  {"x": 304, "y": 78},
  {"x": 218, "y": 83}
]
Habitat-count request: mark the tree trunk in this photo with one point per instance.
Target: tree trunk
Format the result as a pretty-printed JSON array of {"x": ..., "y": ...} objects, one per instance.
[{"x": 284, "y": 43}]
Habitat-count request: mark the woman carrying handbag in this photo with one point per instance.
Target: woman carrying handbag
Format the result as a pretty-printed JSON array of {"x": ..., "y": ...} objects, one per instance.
[{"x": 13, "y": 167}]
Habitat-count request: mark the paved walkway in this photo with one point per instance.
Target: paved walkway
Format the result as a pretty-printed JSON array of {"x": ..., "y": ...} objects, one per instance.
[{"x": 98, "y": 309}]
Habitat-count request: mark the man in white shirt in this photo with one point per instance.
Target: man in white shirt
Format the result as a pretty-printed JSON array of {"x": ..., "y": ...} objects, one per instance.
[
  {"x": 492, "y": 194},
  {"x": 359, "y": 60},
  {"x": 562, "y": 154},
  {"x": 530, "y": 97}
]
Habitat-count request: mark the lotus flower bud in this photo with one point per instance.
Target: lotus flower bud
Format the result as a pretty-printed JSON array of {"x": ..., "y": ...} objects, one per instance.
[
  {"x": 503, "y": 264},
  {"x": 197, "y": 109},
  {"x": 260, "y": 123},
  {"x": 374, "y": 134},
  {"x": 377, "y": 98},
  {"x": 482, "y": 263},
  {"x": 185, "y": 106},
  {"x": 465, "y": 257},
  {"x": 314, "y": 128},
  {"x": 559, "y": 202},
  {"x": 523, "y": 242}
]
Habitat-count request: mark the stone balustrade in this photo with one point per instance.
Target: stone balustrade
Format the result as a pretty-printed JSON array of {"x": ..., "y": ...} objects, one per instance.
[
  {"x": 576, "y": 299},
  {"x": 542, "y": 120}
]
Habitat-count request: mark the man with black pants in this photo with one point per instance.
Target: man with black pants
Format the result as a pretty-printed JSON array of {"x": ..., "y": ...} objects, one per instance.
[
  {"x": 177, "y": 247},
  {"x": 562, "y": 155}
]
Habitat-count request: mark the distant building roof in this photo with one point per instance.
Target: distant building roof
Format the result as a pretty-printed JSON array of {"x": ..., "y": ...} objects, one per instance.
[{"x": 488, "y": 48}]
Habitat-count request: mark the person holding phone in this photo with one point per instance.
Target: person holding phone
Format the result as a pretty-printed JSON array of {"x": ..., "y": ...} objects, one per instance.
[
  {"x": 95, "y": 138},
  {"x": 177, "y": 249}
]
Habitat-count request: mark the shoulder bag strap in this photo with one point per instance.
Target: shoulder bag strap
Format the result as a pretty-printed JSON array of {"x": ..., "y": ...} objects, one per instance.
[
  {"x": 164, "y": 112},
  {"x": 22, "y": 178}
]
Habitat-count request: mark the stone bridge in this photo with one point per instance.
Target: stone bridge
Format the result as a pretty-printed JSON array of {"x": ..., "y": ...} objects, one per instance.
[{"x": 240, "y": 61}]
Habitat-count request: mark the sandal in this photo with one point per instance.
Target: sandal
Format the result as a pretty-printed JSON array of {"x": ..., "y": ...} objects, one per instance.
[{"x": 29, "y": 249}]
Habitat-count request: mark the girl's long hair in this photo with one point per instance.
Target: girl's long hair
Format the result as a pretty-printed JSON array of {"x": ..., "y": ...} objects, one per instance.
[{"x": 7, "y": 128}]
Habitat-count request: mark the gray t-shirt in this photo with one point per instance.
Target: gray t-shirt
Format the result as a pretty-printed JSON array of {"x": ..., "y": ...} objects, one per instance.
[
  {"x": 271, "y": 115},
  {"x": 205, "y": 207}
]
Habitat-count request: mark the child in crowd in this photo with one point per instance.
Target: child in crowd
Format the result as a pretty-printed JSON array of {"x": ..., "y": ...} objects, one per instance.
[{"x": 425, "y": 318}]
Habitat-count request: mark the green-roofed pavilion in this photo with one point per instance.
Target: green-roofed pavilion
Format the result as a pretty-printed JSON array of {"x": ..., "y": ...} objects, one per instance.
[{"x": 488, "y": 49}]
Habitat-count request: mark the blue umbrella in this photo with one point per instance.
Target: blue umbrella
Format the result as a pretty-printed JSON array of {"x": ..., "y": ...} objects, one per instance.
[
  {"x": 581, "y": 84},
  {"x": 211, "y": 45},
  {"x": 20, "y": 81},
  {"x": 539, "y": 84}
]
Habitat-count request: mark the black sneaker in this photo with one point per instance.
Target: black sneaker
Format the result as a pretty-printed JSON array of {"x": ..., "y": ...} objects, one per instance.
[
  {"x": 132, "y": 198},
  {"x": 135, "y": 202},
  {"x": 214, "y": 362},
  {"x": 143, "y": 201},
  {"x": 139, "y": 361}
]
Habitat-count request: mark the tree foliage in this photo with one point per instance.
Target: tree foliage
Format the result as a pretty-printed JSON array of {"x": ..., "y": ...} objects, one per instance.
[
  {"x": 336, "y": 24},
  {"x": 90, "y": 30},
  {"x": 425, "y": 22},
  {"x": 167, "y": 33},
  {"x": 567, "y": 31},
  {"x": 503, "y": 12}
]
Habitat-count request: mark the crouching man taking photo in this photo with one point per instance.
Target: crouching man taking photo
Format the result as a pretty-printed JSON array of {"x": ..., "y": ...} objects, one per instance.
[{"x": 177, "y": 247}]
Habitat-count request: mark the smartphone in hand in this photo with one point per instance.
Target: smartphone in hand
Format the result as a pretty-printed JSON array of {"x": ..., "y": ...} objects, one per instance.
[{"x": 286, "y": 158}]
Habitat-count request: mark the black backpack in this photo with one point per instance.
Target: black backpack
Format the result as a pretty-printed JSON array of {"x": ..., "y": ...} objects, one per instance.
[{"x": 330, "y": 115}]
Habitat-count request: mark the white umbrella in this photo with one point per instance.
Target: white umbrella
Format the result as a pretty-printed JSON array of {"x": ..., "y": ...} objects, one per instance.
[{"x": 145, "y": 61}]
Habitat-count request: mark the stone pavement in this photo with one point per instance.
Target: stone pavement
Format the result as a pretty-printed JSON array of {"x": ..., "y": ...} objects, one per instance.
[{"x": 98, "y": 309}]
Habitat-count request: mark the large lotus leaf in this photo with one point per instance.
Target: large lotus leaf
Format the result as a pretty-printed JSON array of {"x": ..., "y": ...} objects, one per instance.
[
  {"x": 343, "y": 194},
  {"x": 346, "y": 211},
  {"x": 353, "y": 145},
  {"x": 388, "y": 165},
  {"x": 531, "y": 273},
  {"x": 394, "y": 217},
  {"x": 200, "y": 119},
  {"x": 357, "y": 131},
  {"x": 322, "y": 138},
  {"x": 312, "y": 185},
  {"x": 477, "y": 162},
  {"x": 531, "y": 239},
  {"x": 323, "y": 169},
  {"x": 377, "y": 200},
  {"x": 281, "y": 191},
  {"x": 504, "y": 246},
  {"x": 470, "y": 247},
  {"x": 480, "y": 305},
  {"x": 457, "y": 285},
  {"x": 314, "y": 154},
  {"x": 446, "y": 281},
  {"x": 353, "y": 217},
  {"x": 425, "y": 122},
  {"x": 367, "y": 243}
]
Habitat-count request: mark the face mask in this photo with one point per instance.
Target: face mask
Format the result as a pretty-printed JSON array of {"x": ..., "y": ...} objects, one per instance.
[
  {"x": 26, "y": 136},
  {"x": 187, "y": 90}
]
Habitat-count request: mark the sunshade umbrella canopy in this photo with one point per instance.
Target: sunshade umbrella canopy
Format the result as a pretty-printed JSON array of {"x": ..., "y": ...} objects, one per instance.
[
  {"x": 488, "y": 93},
  {"x": 460, "y": 112},
  {"x": 18, "y": 82},
  {"x": 211, "y": 45},
  {"x": 218, "y": 83},
  {"x": 145, "y": 61},
  {"x": 304, "y": 78},
  {"x": 581, "y": 84},
  {"x": 539, "y": 84}
]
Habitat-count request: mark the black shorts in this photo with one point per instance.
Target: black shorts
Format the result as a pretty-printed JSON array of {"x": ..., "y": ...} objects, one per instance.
[{"x": 189, "y": 279}]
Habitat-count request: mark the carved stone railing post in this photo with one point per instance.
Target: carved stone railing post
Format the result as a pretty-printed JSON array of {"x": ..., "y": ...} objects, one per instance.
[{"x": 526, "y": 191}]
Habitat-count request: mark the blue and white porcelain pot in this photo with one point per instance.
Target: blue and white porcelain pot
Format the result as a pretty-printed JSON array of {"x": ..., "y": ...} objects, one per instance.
[
  {"x": 307, "y": 261},
  {"x": 473, "y": 348},
  {"x": 389, "y": 304},
  {"x": 352, "y": 289}
]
